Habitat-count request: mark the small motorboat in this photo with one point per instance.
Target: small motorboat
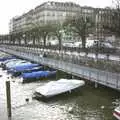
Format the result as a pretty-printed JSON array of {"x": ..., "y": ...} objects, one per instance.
[
  {"x": 54, "y": 88},
  {"x": 26, "y": 70},
  {"x": 11, "y": 63},
  {"x": 8, "y": 62},
  {"x": 7, "y": 58},
  {"x": 16, "y": 64},
  {"x": 32, "y": 76},
  {"x": 116, "y": 112},
  {"x": 22, "y": 67}
]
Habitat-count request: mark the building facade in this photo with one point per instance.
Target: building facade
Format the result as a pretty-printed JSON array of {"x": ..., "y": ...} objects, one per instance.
[
  {"x": 58, "y": 12},
  {"x": 48, "y": 12}
]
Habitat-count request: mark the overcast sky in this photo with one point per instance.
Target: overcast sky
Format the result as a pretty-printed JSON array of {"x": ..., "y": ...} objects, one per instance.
[{"x": 11, "y": 8}]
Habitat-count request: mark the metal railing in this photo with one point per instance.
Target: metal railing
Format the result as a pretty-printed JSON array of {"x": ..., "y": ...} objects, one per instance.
[{"x": 108, "y": 79}]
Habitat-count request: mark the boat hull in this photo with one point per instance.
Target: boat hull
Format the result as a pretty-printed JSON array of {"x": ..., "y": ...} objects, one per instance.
[
  {"x": 40, "y": 76},
  {"x": 18, "y": 73},
  {"x": 116, "y": 116},
  {"x": 55, "y": 88},
  {"x": 116, "y": 112},
  {"x": 75, "y": 92}
]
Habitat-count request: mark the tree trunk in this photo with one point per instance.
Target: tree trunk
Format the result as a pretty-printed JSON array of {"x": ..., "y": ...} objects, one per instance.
[
  {"x": 19, "y": 40},
  {"x": 13, "y": 41},
  {"x": 44, "y": 38},
  {"x": 60, "y": 44},
  {"x": 25, "y": 41},
  {"x": 83, "y": 42},
  {"x": 33, "y": 40}
]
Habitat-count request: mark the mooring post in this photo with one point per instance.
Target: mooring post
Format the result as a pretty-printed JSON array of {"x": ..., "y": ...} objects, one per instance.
[{"x": 8, "y": 97}]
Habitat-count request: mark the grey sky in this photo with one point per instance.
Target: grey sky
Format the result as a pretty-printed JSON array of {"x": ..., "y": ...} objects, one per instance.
[{"x": 11, "y": 8}]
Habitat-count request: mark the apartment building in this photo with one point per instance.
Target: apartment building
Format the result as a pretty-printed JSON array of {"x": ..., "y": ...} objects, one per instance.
[
  {"x": 58, "y": 12},
  {"x": 48, "y": 12}
]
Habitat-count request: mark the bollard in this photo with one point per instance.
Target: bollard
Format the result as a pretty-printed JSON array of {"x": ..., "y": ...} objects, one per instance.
[{"x": 8, "y": 97}]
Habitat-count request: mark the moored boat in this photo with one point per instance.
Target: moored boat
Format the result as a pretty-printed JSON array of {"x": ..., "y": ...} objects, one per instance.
[
  {"x": 116, "y": 112},
  {"x": 54, "y": 88},
  {"x": 22, "y": 67},
  {"x": 32, "y": 76},
  {"x": 26, "y": 70},
  {"x": 17, "y": 64},
  {"x": 8, "y": 62},
  {"x": 7, "y": 58}
]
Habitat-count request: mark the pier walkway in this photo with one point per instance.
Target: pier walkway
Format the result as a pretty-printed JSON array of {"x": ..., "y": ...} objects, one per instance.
[{"x": 108, "y": 79}]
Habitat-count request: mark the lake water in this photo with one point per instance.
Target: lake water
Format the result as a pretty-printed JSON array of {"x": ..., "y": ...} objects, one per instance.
[{"x": 88, "y": 103}]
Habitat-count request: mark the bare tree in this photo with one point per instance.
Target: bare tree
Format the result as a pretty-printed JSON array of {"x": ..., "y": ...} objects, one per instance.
[{"x": 81, "y": 25}]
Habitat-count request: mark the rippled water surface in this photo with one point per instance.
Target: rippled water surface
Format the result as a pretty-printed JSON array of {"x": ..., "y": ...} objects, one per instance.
[{"x": 87, "y": 104}]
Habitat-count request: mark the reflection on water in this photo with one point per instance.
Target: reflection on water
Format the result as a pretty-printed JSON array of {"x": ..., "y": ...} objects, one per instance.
[{"x": 87, "y": 104}]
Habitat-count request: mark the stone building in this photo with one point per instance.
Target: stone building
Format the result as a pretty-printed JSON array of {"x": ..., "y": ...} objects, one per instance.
[{"x": 57, "y": 13}]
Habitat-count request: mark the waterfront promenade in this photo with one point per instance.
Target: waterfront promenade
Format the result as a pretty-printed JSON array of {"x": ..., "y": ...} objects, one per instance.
[{"x": 108, "y": 79}]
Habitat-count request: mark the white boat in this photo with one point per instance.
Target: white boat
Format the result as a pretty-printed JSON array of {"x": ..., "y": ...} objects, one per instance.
[
  {"x": 116, "y": 112},
  {"x": 53, "y": 88}
]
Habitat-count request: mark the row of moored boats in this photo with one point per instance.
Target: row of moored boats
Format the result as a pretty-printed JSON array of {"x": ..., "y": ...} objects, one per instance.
[{"x": 30, "y": 72}]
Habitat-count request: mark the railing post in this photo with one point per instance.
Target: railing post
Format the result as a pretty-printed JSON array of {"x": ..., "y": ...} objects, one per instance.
[
  {"x": 96, "y": 84},
  {"x": 83, "y": 73},
  {"x": 57, "y": 75},
  {"x": 107, "y": 78},
  {"x": 117, "y": 83},
  {"x": 97, "y": 75},
  {"x": 89, "y": 75}
]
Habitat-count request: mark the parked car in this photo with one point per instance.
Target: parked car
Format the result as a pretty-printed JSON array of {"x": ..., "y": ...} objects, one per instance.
[
  {"x": 90, "y": 43},
  {"x": 53, "y": 42},
  {"x": 103, "y": 47},
  {"x": 68, "y": 44},
  {"x": 77, "y": 44},
  {"x": 100, "y": 44}
]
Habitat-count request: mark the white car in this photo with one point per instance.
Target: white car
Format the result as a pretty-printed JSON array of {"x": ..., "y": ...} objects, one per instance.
[
  {"x": 68, "y": 44},
  {"x": 77, "y": 44},
  {"x": 53, "y": 42},
  {"x": 103, "y": 44}
]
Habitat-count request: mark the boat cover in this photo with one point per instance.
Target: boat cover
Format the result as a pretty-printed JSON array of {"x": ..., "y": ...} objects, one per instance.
[
  {"x": 10, "y": 60},
  {"x": 7, "y": 58},
  {"x": 14, "y": 62},
  {"x": 57, "y": 87},
  {"x": 22, "y": 68},
  {"x": 38, "y": 74},
  {"x": 26, "y": 66},
  {"x": 18, "y": 64},
  {"x": 30, "y": 69}
]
